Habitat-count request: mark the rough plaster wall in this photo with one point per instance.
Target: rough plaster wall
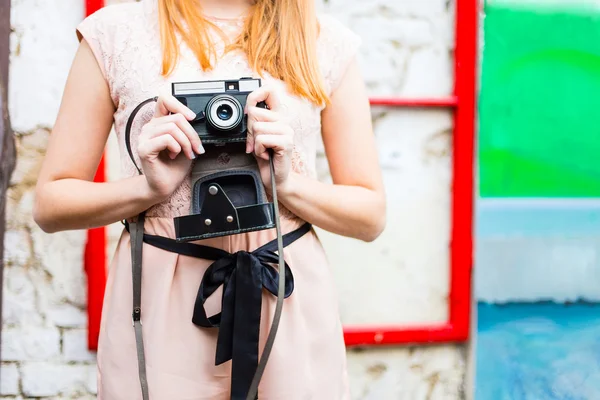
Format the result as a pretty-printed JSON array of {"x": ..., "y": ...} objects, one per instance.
[
  {"x": 44, "y": 328},
  {"x": 409, "y": 54}
]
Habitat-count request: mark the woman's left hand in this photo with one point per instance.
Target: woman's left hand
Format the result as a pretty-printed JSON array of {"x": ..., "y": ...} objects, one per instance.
[{"x": 268, "y": 130}]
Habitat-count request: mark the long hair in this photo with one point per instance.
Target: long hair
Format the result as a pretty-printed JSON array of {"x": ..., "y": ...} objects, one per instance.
[{"x": 279, "y": 37}]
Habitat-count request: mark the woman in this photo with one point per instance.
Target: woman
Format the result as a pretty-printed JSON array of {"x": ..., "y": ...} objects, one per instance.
[{"x": 312, "y": 86}]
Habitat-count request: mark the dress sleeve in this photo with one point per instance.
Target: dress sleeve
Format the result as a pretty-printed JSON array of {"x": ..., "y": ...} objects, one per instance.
[
  {"x": 95, "y": 30},
  {"x": 340, "y": 45}
]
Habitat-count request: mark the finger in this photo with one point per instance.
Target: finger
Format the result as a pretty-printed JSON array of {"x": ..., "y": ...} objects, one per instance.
[
  {"x": 256, "y": 114},
  {"x": 249, "y": 139},
  {"x": 168, "y": 104},
  {"x": 266, "y": 128},
  {"x": 171, "y": 128},
  {"x": 262, "y": 114},
  {"x": 267, "y": 94},
  {"x": 280, "y": 145},
  {"x": 157, "y": 144},
  {"x": 186, "y": 128}
]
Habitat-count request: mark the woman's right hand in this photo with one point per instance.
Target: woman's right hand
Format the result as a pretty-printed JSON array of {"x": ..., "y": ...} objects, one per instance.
[{"x": 166, "y": 147}]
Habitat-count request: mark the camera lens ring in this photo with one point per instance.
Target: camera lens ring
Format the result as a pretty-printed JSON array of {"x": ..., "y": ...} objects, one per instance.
[{"x": 227, "y": 107}]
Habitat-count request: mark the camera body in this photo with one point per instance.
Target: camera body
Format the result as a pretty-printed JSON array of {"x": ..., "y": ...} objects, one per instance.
[
  {"x": 219, "y": 107},
  {"x": 228, "y": 196}
]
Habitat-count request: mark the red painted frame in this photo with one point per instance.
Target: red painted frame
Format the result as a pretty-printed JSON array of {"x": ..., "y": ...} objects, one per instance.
[
  {"x": 463, "y": 101},
  {"x": 457, "y": 328}
]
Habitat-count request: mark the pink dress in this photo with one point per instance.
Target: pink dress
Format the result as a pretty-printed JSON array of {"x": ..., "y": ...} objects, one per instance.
[{"x": 308, "y": 360}]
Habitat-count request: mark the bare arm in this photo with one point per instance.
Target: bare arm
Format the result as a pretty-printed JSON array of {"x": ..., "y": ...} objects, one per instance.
[
  {"x": 66, "y": 196},
  {"x": 355, "y": 204}
]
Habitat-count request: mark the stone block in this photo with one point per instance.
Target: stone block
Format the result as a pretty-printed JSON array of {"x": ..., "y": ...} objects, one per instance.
[
  {"x": 30, "y": 343},
  {"x": 19, "y": 306},
  {"x": 41, "y": 379},
  {"x": 67, "y": 316},
  {"x": 75, "y": 346},
  {"x": 17, "y": 247},
  {"x": 9, "y": 384}
]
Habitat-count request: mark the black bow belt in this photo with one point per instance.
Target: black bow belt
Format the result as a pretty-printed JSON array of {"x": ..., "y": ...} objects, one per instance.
[{"x": 243, "y": 276}]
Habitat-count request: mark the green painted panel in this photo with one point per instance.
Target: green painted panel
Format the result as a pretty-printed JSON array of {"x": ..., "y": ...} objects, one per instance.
[{"x": 540, "y": 103}]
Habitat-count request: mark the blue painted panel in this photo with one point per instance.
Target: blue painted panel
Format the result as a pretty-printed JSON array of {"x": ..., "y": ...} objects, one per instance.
[
  {"x": 538, "y": 352},
  {"x": 537, "y": 218}
]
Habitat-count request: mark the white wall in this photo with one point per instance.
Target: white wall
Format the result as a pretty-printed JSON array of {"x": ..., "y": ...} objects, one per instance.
[{"x": 407, "y": 50}]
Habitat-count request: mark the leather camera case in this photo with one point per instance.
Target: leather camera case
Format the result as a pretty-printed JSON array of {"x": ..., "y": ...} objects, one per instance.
[{"x": 228, "y": 196}]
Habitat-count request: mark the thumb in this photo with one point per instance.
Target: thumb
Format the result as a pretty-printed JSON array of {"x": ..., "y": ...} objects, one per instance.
[{"x": 267, "y": 94}]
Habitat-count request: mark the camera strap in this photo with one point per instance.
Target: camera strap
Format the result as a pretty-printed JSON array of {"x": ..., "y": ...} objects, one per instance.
[
  {"x": 137, "y": 238},
  {"x": 136, "y": 232}
]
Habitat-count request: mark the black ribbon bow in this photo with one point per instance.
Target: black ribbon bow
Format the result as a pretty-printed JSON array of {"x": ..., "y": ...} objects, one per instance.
[{"x": 243, "y": 276}]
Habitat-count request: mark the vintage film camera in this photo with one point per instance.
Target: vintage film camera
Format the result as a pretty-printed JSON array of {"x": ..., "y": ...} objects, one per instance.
[{"x": 228, "y": 196}]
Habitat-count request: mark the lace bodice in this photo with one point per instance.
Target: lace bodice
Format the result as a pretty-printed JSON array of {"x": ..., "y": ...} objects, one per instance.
[{"x": 126, "y": 42}]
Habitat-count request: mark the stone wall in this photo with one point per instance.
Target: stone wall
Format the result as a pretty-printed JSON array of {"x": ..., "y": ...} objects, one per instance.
[
  {"x": 44, "y": 336},
  {"x": 407, "y": 50}
]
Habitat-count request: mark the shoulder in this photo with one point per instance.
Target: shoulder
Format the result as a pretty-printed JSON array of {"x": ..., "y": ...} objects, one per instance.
[
  {"x": 109, "y": 20},
  {"x": 107, "y": 30},
  {"x": 114, "y": 14},
  {"x": 337, "y": 46}
]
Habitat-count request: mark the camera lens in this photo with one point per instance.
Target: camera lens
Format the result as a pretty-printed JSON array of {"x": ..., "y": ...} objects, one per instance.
[{"x": 224, "y": 112}]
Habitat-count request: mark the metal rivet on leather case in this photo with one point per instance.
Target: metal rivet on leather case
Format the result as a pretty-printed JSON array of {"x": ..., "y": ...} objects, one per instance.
[
  {"x": 207, "y": 222},
  {"x": 229, "y": 218},
  {"x": 213, "y": 190}
]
